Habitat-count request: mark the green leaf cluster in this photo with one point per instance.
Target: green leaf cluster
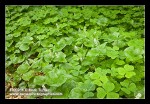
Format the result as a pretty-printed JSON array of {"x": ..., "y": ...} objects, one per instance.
[{"x": 81, "y": 51}]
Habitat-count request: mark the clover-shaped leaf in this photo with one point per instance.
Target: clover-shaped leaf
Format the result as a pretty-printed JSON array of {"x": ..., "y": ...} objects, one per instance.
[
  {"x": 60, "y": 45},
  {"x": 128, "y": 67},
  {"x": 95, "y": 76},
  {"x": 121, "y": 71},
  {"x": 97, "y": 82},
  {"x": 58, "y": 77},
  {"x": 87, "y": 86},
  {"x": 112, "y": 95},
  {"x": 125, "y": 83},
  {"x": 23, "y": 68},
  {"x": 107, "y": 87},
  {"x": 104, "y": 79},
  {"x": 24, "y": 47},
  {"x": 75, "y": 93},
  {"x": 114, "y": 29},
  {"x": 101, "y": 93},
  {"x": 130, "y": 74},
  {"x": 128, "y": 87},
  {"x": 126, "y": 90},
  {"x": 93, "y": 52},
  {"x": 132, "y": 87},
  {"x": 39, "y": 80},
  {"x": 120, "y": 62}
]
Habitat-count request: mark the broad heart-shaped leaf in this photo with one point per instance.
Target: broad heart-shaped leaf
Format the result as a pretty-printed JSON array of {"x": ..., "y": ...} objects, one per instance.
[
  {"x": 121, "y": 71},
  {"x": 75, "y": 93},
  {"x": 109, "y": 86},
  {"x": 23, "y": 68},
  {"x": 27, "y": 76},
  {"x": 60, "y": 57},
  {"x": 24, "y": 47},
  {"x": 39, "y": 80},
  {"x": 101, "y": 92},
  {"x": 56, "y": 82},
  {"x": 132, "y": 87},
  {"x": 88, "y": 94},
  {"x": 128, "y": 67},
  {"x": 130, "y": 74},
  {"x": 126, "y": 90},
  {"x": 112, "y": 95}
]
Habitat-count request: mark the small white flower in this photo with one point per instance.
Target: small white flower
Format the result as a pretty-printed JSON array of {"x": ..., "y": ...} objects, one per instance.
[
  {"x": 95, "y": 41},
  {"x": 138, "y": 96}
]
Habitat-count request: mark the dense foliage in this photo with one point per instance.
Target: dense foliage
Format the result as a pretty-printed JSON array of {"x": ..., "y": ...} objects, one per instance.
[{"x": 80, "y": 51}]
